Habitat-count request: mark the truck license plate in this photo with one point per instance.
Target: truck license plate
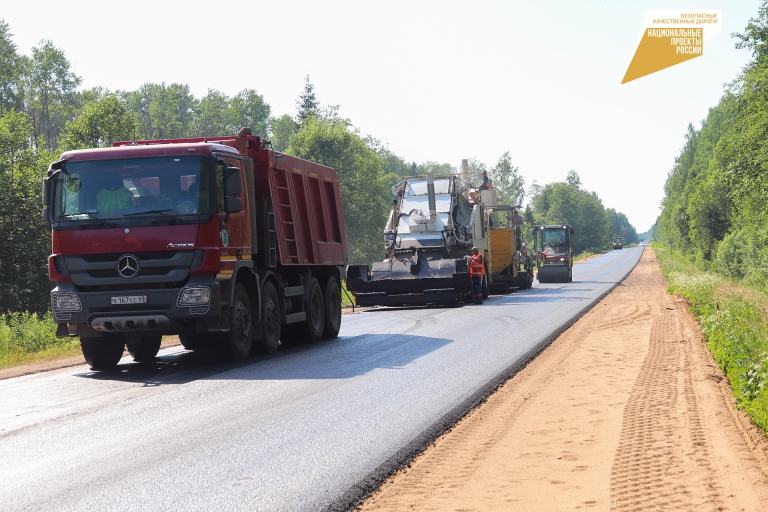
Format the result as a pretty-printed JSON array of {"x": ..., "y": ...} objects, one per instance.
[{"x": 130, "y": 299}]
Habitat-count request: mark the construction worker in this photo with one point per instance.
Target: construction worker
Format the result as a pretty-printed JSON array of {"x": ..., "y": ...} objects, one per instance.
[
  {"x": 485, "y": 185},
  {"x": 517, "y": 219},
  {"x": 476, "y": 272}
]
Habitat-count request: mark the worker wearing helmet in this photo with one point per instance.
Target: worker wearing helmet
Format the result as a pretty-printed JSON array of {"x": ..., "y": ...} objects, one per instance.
[{"x": 476, "y": 272}]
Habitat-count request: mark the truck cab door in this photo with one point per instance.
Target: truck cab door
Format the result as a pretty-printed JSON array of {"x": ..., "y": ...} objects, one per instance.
[{"x": 232, "y": 216}]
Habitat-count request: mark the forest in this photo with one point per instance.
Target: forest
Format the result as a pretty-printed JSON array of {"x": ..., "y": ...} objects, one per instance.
[
  {"x": 714, "y": 207},
  {"x": 43, "y": 111}
]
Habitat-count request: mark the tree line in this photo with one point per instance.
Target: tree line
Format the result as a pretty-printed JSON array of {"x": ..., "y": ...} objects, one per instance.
[
  {"x": 43, "y": 112},
  {"x": 713, "y": 209}
]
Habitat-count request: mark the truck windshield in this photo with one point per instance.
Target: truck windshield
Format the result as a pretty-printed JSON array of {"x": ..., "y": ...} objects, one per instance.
[
  {"x": 113, "y": 189},
  {"x": 418, "y": 187},
  {"x": 553, "y": 241}
]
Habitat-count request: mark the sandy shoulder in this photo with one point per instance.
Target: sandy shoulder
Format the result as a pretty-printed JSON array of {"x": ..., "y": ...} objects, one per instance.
[{"x": 626, "y": 410}]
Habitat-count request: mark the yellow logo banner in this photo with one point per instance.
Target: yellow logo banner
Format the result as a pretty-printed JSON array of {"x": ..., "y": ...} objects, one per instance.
[{"x": 669, "y": 38}]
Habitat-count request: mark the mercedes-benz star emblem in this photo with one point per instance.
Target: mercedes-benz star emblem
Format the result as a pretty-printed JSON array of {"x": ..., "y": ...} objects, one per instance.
[{"x": 128, "y": 265}]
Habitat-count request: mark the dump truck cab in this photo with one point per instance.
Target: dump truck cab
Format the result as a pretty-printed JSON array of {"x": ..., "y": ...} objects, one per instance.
[{"x": 218, "y": 240}]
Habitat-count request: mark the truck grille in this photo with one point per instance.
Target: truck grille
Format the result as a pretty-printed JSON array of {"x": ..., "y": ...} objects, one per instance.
[{"x": 156, "y": 269}]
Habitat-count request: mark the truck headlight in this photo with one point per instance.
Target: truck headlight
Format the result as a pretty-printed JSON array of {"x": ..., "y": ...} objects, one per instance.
[
  {"x": 195, "y": 296},
  {"x": 66, "y": 302}
]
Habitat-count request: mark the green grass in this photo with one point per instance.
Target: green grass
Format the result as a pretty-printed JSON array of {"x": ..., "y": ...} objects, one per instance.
[
  {"x": 584, "y": 255},
  {"x": 26, "y": 338},
  {"x": 734, "y": 320},
  {"x": 346, "y": 296}
]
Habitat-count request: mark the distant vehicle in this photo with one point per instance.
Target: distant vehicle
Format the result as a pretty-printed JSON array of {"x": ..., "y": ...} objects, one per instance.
[{"x": 617, "y": 244}]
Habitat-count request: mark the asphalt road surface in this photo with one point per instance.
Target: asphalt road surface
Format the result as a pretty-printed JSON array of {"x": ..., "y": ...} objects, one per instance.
[{"x": 311, "y": 428}]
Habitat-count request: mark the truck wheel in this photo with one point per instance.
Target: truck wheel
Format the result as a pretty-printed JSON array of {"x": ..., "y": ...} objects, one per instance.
[
  {"x": 522, "y": 281},
  {"x": 332, "y": 309},
  {"x": 311, "y": 330},
  {"x": 237, "y": 345},
  {"x": 486, "y": 291},
  {"x": 146, "y": 349},
  {"x": 570, "y": 275},
  {"x": 102, "y": 353},
  {"x": 315, "y": 312},
  {"x": 270, "y": 319}
]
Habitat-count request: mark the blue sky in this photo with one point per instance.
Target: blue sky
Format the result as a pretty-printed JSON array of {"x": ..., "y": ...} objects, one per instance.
[{"x": 436, "y": 80}]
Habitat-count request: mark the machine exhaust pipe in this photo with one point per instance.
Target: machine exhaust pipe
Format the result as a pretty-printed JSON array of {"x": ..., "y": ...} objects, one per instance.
[
  {"x": 431, "y": 195},
  {"x": 464, "y": 175}
]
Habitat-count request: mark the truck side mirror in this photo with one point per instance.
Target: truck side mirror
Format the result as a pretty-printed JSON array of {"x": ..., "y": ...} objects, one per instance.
[
  {"x": 47, "y": 196},
  {"x": 44, "y": 212},
  {"x": 233, "y": 204},
  {"x": 233, "y": 185}
]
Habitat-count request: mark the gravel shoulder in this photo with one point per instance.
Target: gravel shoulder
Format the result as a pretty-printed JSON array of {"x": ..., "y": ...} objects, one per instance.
[
  {"x": 626, "y": 410},
  {"x": 56, "y": 364}
]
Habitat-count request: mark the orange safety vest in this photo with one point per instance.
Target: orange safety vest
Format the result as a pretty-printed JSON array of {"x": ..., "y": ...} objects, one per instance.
[{"x": 476, "y": 267}]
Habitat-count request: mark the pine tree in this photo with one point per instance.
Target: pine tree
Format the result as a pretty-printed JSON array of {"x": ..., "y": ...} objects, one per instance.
[{"x": 307, "y": 102}]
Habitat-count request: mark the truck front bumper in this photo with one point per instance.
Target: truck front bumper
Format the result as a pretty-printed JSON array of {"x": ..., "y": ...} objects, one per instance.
[{"x": 135, "y": 311}]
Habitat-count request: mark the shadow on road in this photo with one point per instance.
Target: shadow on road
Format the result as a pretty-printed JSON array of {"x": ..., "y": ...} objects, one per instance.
[{"x": 341, "y": 358}]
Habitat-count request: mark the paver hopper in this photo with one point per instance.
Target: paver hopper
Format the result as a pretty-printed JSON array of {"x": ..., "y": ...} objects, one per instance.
[{"x": 433, "y": 225}]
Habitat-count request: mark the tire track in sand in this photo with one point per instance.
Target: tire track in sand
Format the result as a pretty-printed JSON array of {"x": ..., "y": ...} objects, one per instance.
[
  {"x": 682, "y": 445},
  {"x": 663, "y": 461},
  {"x": 626, "y": 410}
]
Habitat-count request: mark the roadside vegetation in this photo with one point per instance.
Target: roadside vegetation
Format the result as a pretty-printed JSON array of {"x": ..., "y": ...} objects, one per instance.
[
  {"x": 712, "y": 234},
  {"x": 584, "y": 255},
  {"x": 714, "y": 210},
  {"x": 347, "y": 300},
  {"x": 734, "y": 319},
  {"x": 26, "y": 338}
]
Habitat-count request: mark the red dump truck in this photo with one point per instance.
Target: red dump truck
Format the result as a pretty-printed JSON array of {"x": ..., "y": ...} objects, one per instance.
[{"x": 220, "y": 240}]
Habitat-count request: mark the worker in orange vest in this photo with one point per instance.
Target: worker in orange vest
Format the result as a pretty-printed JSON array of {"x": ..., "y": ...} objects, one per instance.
[{"x": 476, "y": 272}]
